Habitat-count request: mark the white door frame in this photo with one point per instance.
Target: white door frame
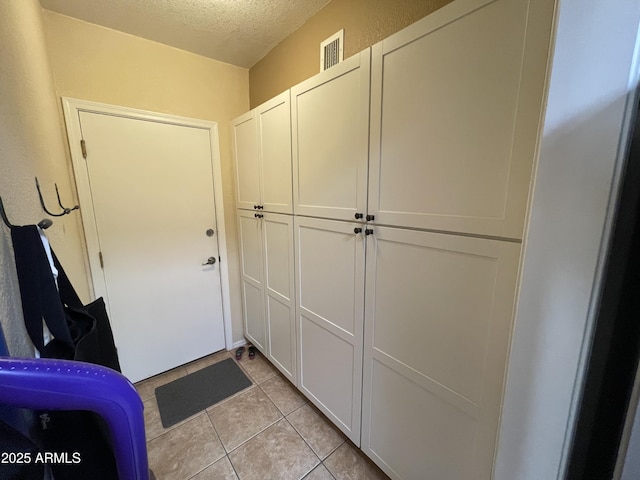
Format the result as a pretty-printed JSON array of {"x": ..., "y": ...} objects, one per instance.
[{"x": 72, "y": 108}]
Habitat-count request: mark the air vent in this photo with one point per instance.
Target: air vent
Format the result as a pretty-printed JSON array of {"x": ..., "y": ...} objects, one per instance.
[{"x": 331, "y": 50}]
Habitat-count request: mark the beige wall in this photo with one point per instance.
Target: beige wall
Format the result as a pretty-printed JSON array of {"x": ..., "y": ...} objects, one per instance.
[
  {"x": 32, "y": 143},
  {"x": 90, "y": 62},
  {"x": 365, "y": 23}
]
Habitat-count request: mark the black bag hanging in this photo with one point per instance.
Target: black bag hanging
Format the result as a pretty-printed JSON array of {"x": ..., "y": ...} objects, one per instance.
[
  {"x": 80, "y": 333},
  {"x": 95, "y": 345},
  {"x": 38, "y": 292}
]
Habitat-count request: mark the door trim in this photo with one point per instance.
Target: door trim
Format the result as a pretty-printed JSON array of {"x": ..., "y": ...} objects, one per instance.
[{"x": 72, "y": 108}]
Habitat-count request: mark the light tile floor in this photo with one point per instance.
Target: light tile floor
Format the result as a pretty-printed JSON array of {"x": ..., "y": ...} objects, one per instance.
[{"x": 268, "y": 432}]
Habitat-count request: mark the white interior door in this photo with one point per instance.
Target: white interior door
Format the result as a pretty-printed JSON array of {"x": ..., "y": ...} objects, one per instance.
[{"x": 151, "y": 184}]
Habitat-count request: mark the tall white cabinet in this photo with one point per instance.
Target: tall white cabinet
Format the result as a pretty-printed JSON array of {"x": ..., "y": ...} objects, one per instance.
[
  {"x": 262, "y": 140},
  {"x": 456, "y": 99},
  {"x": 411, "y": 167},
  {"x": 330, "y": 122}
]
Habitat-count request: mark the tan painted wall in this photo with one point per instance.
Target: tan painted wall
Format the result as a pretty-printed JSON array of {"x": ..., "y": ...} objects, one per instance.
[
  {"x": 365, "y": 23},
  {"x": 32, "y": 143},
  {"x": 91, "y": 62}
]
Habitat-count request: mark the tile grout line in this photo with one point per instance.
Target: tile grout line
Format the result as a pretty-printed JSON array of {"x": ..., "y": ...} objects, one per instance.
[
  {"x": 256, "y": 434},
  {"x": 233, "y": 467},
  {"x": 282, "y": 417},
  {"x": 326, "y": 421},
  {"x": 223, "y": 449},
  {"x": 308, "y": 446}
]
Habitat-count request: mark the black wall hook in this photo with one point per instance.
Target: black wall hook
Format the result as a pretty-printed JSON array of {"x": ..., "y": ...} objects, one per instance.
[
  {"x": 43, "y": 224},
  {"x": 65, "y": 211}
]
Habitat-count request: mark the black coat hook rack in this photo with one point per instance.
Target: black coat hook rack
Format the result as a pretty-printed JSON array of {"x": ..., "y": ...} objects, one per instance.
[
  {"x": 43, "y": 224},
  {"x": 65, "y": 210}
]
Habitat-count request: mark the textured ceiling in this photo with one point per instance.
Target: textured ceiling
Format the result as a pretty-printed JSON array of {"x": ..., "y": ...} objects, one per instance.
[{"x": 239, "y": 32}]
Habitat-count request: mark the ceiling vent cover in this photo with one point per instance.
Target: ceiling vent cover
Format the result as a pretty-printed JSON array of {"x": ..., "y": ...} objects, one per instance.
[{"x": 331, "y": 51}]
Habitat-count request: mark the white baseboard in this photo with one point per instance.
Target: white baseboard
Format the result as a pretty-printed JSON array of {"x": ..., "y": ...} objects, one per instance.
[{"x": 239, "y": 343}]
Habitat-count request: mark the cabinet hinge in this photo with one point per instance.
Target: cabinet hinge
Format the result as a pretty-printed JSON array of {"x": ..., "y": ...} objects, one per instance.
[
  {"x": 83, "y": 146},
  {"x": 101, "y": 260}
]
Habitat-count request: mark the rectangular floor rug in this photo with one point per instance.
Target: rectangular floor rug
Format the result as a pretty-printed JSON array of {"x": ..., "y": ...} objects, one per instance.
[{"x": 197, "y": 391}]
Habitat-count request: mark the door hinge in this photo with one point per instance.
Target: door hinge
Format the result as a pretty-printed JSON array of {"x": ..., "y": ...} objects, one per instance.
[
  {"x": 83, "y": 146},
  {"x": 219, "y": 259},
  {"x": 101, "y": 260}
]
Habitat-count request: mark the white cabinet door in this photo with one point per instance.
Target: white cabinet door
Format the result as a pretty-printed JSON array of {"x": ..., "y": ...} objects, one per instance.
[
  {"x": 274, "y": 140},
  {"x": 268, "y": 291},
  {"x": 438, "y": 319},
  {"x": 330, "y": 118},
  {"x": 280, "y": 292},
  {"x": 330, "y": 303},
  {"x": 252, "y": 278},
  {"x": 456, "y": 100},
  {"x": 247, "y": 157}
]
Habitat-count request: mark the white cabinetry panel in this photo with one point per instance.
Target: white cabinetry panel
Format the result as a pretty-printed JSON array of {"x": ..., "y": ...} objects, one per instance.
[
  {"x": 274, "y": 140},
  {"x": 456, "y": 99},
  {"x": 279, "y": 292},
  {"x": 252, "y": 278},
  {"x": 254, "y": 324},
  {"x": 268, "y": 292},
  {"x": 330, "y": 272},
  {"x": 437, "y": 323},
  {"x": 262, "y": 147},
  {"x": 245, "y": 142},
  {"x": 330, "y": 121}
]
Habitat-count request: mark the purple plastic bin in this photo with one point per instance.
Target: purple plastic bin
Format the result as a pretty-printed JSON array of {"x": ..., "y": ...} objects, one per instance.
[{"x": 67, "y": 385}]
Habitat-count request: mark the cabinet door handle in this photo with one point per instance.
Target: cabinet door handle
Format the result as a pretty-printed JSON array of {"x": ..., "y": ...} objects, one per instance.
[
  {"x": 256, "y": 207},
  {"x": 368, "y": 231},
  {"x": 370, "y": 218},
  {"x": 258, "y": 215},
  {"x": 260, "y": 207},
  {"x": 357, "y": 230},
  {"x": 358, "y": 216}
]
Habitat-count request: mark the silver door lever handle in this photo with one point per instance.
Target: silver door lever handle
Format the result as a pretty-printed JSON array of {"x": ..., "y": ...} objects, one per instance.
[{"x": 210, "y": 261}]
